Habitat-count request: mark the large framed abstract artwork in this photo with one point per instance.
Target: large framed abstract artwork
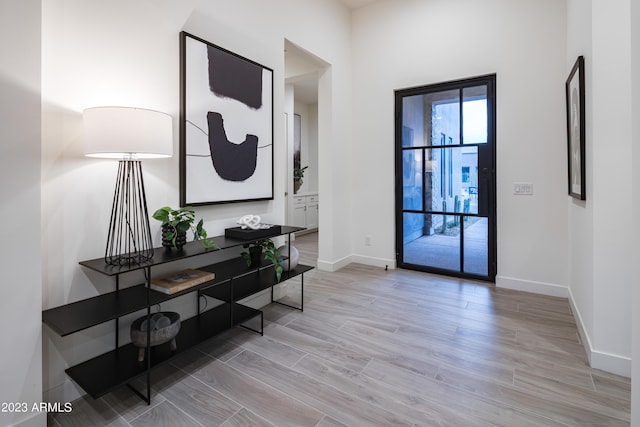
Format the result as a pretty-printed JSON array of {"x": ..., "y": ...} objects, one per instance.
[
  {"x": 574, "y": 87},
  {"x": 226, "y": 125}
]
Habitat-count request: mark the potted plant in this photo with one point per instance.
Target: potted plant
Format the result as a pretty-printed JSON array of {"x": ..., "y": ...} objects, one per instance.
[
  {"x": 271, "y": 253},
  {"x": 176, "y": 223},
  {"x": 298, "y": 174}
]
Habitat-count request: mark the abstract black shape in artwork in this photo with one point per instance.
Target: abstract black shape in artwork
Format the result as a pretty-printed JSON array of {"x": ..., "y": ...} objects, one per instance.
[
  {"x": 234, "y": 77},
  {"x": 232, "y": 162}
]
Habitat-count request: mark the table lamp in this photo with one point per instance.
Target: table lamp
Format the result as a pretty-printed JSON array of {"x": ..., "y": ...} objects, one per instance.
[{"x": 128, "y": 134}]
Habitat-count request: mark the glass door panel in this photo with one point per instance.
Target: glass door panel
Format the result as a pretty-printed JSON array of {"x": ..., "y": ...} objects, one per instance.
[
  {"x": 445, "y": 180},
  {"x": 476, "y": 240},
  {"x": 452, "y": 177},
  {"x": 474, "y": 112},
  {"x": 412, "y": 172},
  {"x": 432, "y": 241}
]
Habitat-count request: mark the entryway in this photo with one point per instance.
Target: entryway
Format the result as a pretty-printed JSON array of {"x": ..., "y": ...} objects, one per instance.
[{"x": 445, "y": 178}]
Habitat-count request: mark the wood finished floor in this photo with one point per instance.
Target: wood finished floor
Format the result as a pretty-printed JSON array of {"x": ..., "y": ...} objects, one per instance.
[{"x": 382, "y": 348}]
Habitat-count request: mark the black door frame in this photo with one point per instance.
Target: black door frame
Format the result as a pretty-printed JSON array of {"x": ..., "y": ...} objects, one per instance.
[{"x": 486, "y": 207}]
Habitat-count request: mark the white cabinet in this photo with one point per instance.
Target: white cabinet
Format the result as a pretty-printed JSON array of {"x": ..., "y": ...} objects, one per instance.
[
  {"x": 312, "y": 206},
  {"x": 305, "y": 211},
  {"x": 299, "y": 217}
]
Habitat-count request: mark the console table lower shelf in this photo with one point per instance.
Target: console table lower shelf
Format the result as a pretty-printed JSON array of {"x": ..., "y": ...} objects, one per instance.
[{"x": 119, "y": 367}]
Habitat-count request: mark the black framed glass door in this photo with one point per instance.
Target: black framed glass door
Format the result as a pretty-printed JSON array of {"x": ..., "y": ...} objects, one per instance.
[{"x": 445, "y": 178}]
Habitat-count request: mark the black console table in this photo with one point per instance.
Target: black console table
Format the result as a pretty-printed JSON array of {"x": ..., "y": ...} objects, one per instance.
[{"x": 233, "y": 282}]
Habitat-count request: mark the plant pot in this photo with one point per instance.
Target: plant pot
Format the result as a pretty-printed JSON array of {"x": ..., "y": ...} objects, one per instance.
[
  {"x": 164, "y": 328},
  {"x": 296, "y": 186},
  {"x": 180, "y": 241},
  {"x": 255, "y": 256}
]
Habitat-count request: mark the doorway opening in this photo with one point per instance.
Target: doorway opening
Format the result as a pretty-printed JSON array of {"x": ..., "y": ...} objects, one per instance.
[
  {"x": 445, "y": 178},
  {"x": 304, "y": 97}
]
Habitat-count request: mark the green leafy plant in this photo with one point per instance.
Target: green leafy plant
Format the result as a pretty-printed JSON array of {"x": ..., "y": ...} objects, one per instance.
[
  {"x": 271, "y": 253},
  {"x": 179, "y": 221},
  {"x": 298, "y": 175}
]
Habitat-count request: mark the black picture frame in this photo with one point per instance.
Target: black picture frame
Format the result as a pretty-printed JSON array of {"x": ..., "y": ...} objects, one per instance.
[
  {"x": 226, "y": 126},
  {"x": 574, "y": 88}
]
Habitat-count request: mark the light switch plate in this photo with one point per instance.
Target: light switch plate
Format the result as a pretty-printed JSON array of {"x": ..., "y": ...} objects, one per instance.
[{"x": 523, "y": 188}]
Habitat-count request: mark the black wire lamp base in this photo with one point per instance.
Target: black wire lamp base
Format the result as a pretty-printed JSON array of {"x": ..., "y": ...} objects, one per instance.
[{"x": 129, "y": 242}]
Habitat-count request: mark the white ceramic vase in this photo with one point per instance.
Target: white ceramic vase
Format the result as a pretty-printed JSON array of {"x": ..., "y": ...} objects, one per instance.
[{"x": 295, "y": 256}]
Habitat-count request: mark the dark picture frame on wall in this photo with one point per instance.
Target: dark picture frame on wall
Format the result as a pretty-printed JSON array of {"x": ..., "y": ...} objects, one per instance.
[
  {"x": 226, "y": 125},
  {"x": 574, "y": 87}
]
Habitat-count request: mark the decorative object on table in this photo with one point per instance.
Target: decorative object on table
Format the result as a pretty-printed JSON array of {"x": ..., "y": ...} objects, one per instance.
[
  {"x": 128, "y": 134},
  {"x": 176, "y": 223},
  {"x": 179, "y": 281},
  {"x": 163, "y": 326},
  {"x": 251, "y": 228},
  {"x": 252, "y": 222},
  {"x": 574, "y": 88},
  {"x": 289, "y": 257},
  {"x": 226, "y": 130},
  {"x": 298, "y": 175},
  {"x": 256, "y": 249}
]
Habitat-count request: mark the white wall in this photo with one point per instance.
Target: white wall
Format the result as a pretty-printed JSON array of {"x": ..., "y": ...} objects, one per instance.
[
  {"x": 600, "y": 243},
  {"x": 612, "y": 181},
  {"x": 430, "y": 41},
  {"x": 635, "y": 282},
  {"x": 126, "y": 53},
  {"x": 580, "y": 213},
  {"x": 20, "y": 309}
]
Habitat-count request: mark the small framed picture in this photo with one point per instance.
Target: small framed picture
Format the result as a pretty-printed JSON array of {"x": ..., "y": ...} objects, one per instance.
[{"x": 575, "y": 130}]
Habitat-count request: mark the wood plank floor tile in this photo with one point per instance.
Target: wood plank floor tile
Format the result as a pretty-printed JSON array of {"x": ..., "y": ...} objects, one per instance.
[
  {"x": 313, "y": 345},
  {"x": 611, "y": 385},
  {"x": 378, "y": 393},
  {"x": 203, "y": 403},
  {"x": 525, "y": 399},
  {"x": 330, "y": 422},
  {"x": 246, "y": 418},
  {"x": 342, "y": 405},
  {"x": 274, "y": 405},
  {"x": 89, "y": 412},
  {"x": 368, "y": 346},
  {"x": 271, "y": 349},
  {"x": 128, "y": 404},
  {"x": 475, "y": 409},
  {"x": 577, "y": 396},
  {"x": 165, "y": 415}
]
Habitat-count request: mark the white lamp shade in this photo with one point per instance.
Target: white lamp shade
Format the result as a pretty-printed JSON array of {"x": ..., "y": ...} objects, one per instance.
[{"x": 124, "y": 132}]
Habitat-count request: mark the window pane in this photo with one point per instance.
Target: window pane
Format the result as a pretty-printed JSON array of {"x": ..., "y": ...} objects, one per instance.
[
  {"x": 413, "y": 121},
  {"x": 445, "y": 117},
  {"x": 412, "y": 179},
  {"x": 474, "y": 115},
  {"x": 451, "y": 180},
  {"x": 432, "y": 241},
  {"x": 426, "y": 118},
  {"x": 476, "y": 240}
]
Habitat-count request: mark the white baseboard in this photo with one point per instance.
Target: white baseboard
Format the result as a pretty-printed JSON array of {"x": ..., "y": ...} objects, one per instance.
[
  {"x": 531, "y": 286},
  {"x": 373, "y": 261},
  {"x": 613, "y": 363},
  {"x": 333, "y": 266}
]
